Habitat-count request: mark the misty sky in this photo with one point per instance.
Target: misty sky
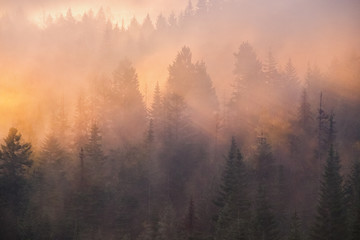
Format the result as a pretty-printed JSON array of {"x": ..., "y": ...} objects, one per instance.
[
  {"x": 118, "y": 9},
  {"x": 301, "y": 11}
]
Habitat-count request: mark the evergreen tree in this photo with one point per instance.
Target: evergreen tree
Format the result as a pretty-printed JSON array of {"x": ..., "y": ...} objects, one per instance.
[
  {"x": 290, "y": 73},
  {"x": 94, "y": 153},
  {"x": 331, "y": 130},
  {"x": 295, "y": 228},
  {"x": 60, "y": 124},
  {"x": 330, "y": 221},
  {"x": 161, "y": 23},
  {"x": 270, "y": 70},
  {"x": 247, "y": 66},
  {"x": 150, "y": 133},
  {"x": 322, "y": 131},
  {"x": 15, "y": 156},
  {"x": 190, "y": 221},
  {"x": 147, "y": 26},
  {"x": 176, "y": 120},
  {"x": 264, "y": 161},
  {"x": 266, "y": 227},
  {"x": 353, "y": 201},
  {"x": 80, "y": 123},
  {"x": 233, "y": 218},
  {"x": 156, "y": 111},
  {"x": 193, "y": 83},
  {"x": 148, "y": 232},
  {"x": 167, "y": 228},
  {"x": 304, "y": 113},
  {"x": 53, "y": 157},
  {"x": 15, "y": 160},
  {"x": 128, "y": 112}
]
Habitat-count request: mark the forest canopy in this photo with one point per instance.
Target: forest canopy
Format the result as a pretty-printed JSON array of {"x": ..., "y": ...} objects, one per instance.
[{"x": 208, "y": 119}]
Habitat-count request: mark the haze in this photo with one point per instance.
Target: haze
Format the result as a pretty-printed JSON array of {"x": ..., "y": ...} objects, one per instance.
[{"x": 140, "y": 109}]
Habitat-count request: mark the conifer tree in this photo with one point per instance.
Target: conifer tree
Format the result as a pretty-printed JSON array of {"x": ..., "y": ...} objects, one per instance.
[
  {"x": 150, "y": 133},
  {"x": 290, "y": 73},
  {"x": 295, "y": 228},
  {"x": 148, "y": 232},
  {"x": 52, "y": 157},
  {"x": 167, "y": 228},
  {"x": 265, "y": 224},
  {"x": 247, "y": 66},
  {"x": 80, "y": 123},
  {"x": 322, "y": 131},
  {"x": 190, "y": 221},
  {"x": 156, "y": 111},
  {"x": 94, "y": 153},
  {"x": 192, "y": 82},
  {"x": 353, "y": 201},
  {"x": 304, "y": 113},
  {"x": 128, "y": 112},
  {"x": 330, "y": 221},
  {"x": 233, "y": 218},
  {"x": 15, "y": 160},
  {"x": 264, "y": 161},
  {"x": 270, "y": 69}
]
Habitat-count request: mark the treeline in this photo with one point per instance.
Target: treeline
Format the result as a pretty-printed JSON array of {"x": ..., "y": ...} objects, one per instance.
[{"x": 121, "y": 171}]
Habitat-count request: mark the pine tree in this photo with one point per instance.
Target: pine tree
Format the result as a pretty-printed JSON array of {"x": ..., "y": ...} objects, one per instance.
[
  {"x": 331, "y": 136},
  {"x": 94, "y": 153},
  {"x": 150, "y": 133},
  {"x": 176, "y": 120},
  {"x": 53, "y": 157},
  {"x": 167, "y": 225},
  {"x": 147, "y": 26},
  {"x": 190, "y": 221},
  {"x": 15, "y": 160},
  {"x": 270, "y": 69},
  {"x": 161, "y": 23},
  {"x": 192, "y": 82},
  {"x": 265, "y": 225},
  {"x": 330, "y": 221},
  {"x": 15, "y": 156},
  {"x": 322, "y": 130},
  {"x": 80, "y": 123},
  {"x": 247, "y": 66},
  {"x": 233, "y": 218},
  {"x": 290, "y": 73},
  {"x": 264, "y": 161},
  {"x": 304, "y": 113},
  {"x": 156, "y": 111},
  {"x": 295, "y": 228},
  {"x": 353, "y": 201},
  {"x": 148, "y": 232},
  {"x": 128, "y": 112}
]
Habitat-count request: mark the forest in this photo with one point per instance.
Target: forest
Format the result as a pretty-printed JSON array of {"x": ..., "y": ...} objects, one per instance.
[{"x": 224, "y": 120}]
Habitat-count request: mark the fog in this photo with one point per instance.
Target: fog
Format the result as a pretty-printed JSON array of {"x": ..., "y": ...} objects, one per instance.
[{"x": 160, "y": 88}]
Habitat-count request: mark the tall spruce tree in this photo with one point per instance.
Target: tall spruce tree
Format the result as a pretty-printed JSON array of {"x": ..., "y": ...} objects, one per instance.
[
  {"x": 234, "y": 206},
  {"x": 93, "y": 151},
  {"x": 247, "y": 66},
  {"x": 265, "y": 168},
  {"x": 270, "y": 69},
  {"x": 322, "y": 131},
  {"x": 295, "y": 228},
  {"x": 330, "y": 221},
  {"x": 15, "y": 160},
  {"x": 353, "y": 201},
  {"x": 304, "y": 113},
  {"x": 265, "y": 226}
]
